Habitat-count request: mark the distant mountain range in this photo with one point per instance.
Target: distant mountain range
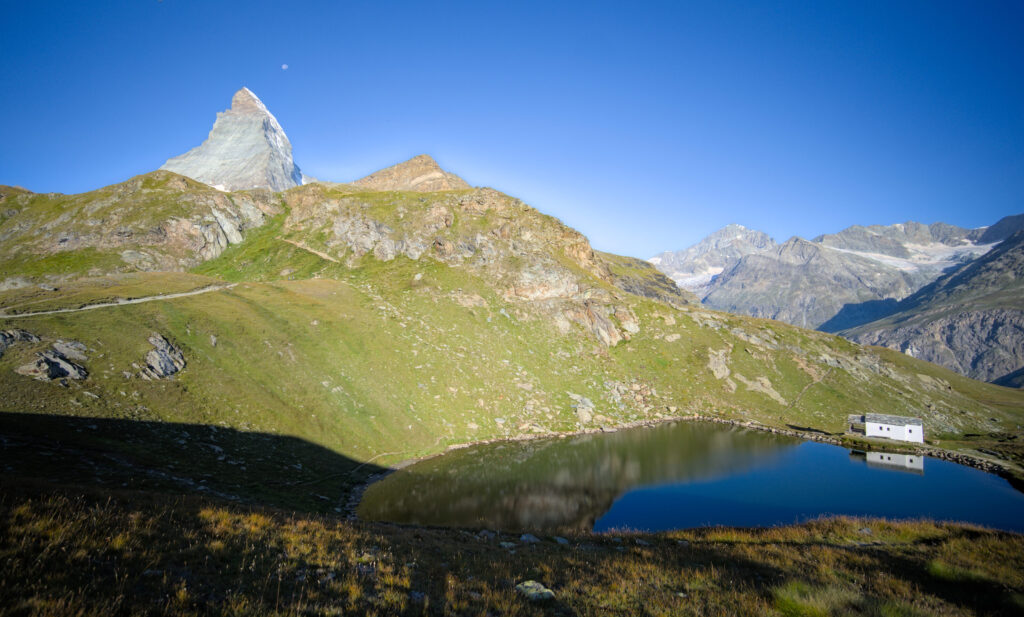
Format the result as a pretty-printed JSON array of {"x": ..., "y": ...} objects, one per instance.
[
  {"x": 842, "y": 282},
  {"x": 970, "y": 320}
]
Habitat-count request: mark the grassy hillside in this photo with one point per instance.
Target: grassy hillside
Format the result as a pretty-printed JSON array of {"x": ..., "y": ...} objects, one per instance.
[
  {"x": 154, "y": 222},
  {"x": 341, "y": 331},
  {"x": 381, "y": 357}
]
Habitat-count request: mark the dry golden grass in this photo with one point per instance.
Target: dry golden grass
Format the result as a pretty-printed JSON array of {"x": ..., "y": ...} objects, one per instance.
[{"x": 65, "y": 553}]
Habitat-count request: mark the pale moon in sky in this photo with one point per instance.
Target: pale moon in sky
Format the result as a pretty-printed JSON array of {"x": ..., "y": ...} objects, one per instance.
[{"x": 284, "y": 67}]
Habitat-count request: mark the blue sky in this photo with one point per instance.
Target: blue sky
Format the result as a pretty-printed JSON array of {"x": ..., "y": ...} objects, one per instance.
[{"x": 644, "y": 125}]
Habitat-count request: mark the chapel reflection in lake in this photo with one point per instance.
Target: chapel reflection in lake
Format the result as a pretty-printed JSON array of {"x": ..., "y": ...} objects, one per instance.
[
  {"x": 910, "y": 463},
  {"x": 562, "y": 484}
]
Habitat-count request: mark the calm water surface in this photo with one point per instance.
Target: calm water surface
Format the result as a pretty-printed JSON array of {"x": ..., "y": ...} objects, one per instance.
[{"x": 682, "y": 475}]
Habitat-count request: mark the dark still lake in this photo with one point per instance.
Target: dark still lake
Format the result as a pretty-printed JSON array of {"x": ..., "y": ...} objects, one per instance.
[{"x": 682, "y": 475}]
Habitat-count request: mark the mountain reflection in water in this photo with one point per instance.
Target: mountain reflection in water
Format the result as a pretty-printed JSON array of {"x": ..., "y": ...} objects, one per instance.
[{"x": 561, "y": 484}]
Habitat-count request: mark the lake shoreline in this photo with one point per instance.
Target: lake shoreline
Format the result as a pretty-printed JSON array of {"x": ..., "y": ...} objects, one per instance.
[{"x": 355, "y": 496}]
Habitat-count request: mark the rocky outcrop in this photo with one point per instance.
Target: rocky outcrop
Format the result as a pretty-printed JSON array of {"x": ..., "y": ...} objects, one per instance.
[
  {"x": 164, "y": 360},
  {"x": 583, "y": 407},
  {"x": 246, "y": 149},
  {"x": 718, "y": 362},
  {"x": 11, "y": 337},
  {"x": 55, "y": 363},
  {"x": 159, "y": 221},
  {"x": 594, "y": 319},
  {"x": 641, "y": 278},
  {"x": 420, "y": 174},
  {"x": 761, "y": 385},
  {"x": 532, "y": 258}
]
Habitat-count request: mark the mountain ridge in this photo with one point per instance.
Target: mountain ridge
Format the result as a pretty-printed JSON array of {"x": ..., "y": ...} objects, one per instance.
[
  {"x": 970, "y": 320},
  {"x": 420, "y": 173},
  {"x": 834, "y": 282}
]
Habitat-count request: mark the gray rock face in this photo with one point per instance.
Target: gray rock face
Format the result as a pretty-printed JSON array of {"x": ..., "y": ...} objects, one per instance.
[
  {"x": 985, "y": 345},
  {"x": 833, "y": 282},
  {"x": 970, "y": 320},
  {"x": 584, "y": 408},
  {"x": 695, "y": 267},
  {"x": 10, "y": 337},
  {"x": 52, "y": 364},
  {"x": 246, "y": 149},
  {"x": 163, "y": 360},
  {"x": 420, "y": 173},
  {"x": 896, "y": 240},
  {"x": 1003, "y": 229},
  {"x": 805, "y": 284}
]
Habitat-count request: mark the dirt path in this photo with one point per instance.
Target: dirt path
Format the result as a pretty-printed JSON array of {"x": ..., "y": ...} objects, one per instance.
[
  {"x": 122, "y": 302},
  {"x": 319, "y": 254}
]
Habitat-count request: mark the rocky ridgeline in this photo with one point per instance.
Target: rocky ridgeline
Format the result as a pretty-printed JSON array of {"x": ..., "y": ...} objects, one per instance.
[
  {"x": 421, "y": 174},
  {"x": 156, "y": 222},
  {"x": 530, "y": 258},
  {"x": 808, "y": 282}
]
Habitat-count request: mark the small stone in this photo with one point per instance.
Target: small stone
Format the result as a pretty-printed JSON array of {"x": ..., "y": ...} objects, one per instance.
[
  {"x": 529, "y": 538},
  {"x": 486, "y": 534},
  {"x": 535, "y": 592},
  {"x": 507, "y": 544},
  {"x": 683, "y": 543},
  {"x": 560, "y": 540},
  {"x": 640, "y": 542},
  {"x": 865, "y": 531}
]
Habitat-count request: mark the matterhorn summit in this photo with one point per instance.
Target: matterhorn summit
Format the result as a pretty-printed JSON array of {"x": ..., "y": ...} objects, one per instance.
[{"x": 246, "y": 149}]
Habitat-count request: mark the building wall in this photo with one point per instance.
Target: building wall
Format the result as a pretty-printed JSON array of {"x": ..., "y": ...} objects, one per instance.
[{"x": 900, "y": 433}]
